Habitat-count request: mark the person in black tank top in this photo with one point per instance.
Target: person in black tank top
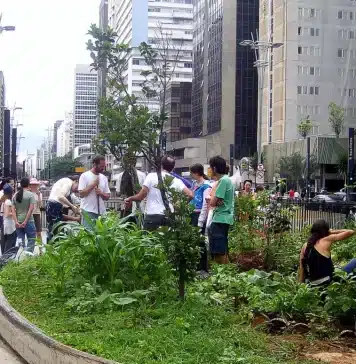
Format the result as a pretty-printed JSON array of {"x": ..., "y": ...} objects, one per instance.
[{"x": 316, "y": 266}]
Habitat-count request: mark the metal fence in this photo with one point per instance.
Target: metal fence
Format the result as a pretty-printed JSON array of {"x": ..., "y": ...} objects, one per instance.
[{"x": 306, "y": 212}]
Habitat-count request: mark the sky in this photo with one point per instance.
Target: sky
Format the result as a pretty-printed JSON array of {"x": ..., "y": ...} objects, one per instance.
[{"x": 39, "y": 58}]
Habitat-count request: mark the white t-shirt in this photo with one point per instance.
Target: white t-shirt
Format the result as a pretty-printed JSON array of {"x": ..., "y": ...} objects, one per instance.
[
  {"x": 154, "y": 205},
  {"x": 90, "y": 202},
  {"x": 9, "y": 223},
  {"x": 62, "y": 188}
]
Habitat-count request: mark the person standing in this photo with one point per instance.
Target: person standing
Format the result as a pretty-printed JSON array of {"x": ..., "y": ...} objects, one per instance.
[
  {"x": 24, "y": 203},
  {"x": 10, "y": 235},
  {"x": 34, "y": 188},
  {"x": 155, "y": 207},
  {"x": 57, "y": 199},
  {"x": 222, "y": 202},
  {"x": 93, "y": 190}
]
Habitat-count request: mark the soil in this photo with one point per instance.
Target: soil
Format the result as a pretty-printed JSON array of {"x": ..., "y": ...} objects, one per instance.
[
  {"x": 341, "y": 351},
  {"x": 248, "y": 260}
]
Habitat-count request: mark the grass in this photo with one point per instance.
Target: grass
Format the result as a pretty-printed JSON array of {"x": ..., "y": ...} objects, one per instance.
[{"x": 170, "y": 332}]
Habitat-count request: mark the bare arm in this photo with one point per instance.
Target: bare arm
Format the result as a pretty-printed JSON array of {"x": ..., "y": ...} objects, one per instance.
[
  {"x": 204, "y": 210},
  {"x": 139, "y": 196},
  {"x": 64, "y": 201},
  {"x": 189, "y": 193},
  {"x": 338, "y": 235},
  {"x": 105, "y": 196},
  {"x": 8, "y": 212},
  {"x": 85, "y": 192}
]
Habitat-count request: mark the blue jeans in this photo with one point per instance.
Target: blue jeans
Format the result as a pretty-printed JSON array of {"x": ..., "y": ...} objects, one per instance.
[
  {"x": 349, "y": 268},
  {"x": 89, "y": 219},
  {"x": 28, "y": 231}
]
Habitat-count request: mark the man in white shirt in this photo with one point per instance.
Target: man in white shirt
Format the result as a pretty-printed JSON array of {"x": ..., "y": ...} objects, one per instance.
[
  {"x": 93, "y": 190},
  {"x": 57, "y": 199},
  {"x": 155, "y": 207}
]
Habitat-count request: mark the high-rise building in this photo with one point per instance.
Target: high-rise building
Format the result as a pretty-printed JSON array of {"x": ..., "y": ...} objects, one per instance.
[
  {"x": 65, "y": 135},
  {"x": 85, "y": 105},
  {"x": 56, "y": 126},
  {"x": 103, "y": 25},
  {"x": 224, "y": 91},
  {"x": 2, "y": 116},
  {"x": 137, "y": 21},
  {"x": 179, "y": 110},
  {"x": 315, "y": 66}
]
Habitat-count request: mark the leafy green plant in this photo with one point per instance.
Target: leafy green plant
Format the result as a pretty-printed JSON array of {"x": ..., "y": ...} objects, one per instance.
[
  {"x": 181, "y": 240},
  {"x": 113, "y": 257}
]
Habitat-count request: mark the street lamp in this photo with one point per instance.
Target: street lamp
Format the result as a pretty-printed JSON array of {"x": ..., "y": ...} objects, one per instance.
[
  {"x": 6, "y": 28},
  {"x": 262, "y": 50}
]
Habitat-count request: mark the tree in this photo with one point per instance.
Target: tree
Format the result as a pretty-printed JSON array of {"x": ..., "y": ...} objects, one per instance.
[
  {"x": 59, "y": 167},
  {"x": 342, "y": 166},
  {"x": 128, "y": 128},
  {"x": 336, "y": 118},
  {"x": 294, "y": 167},
  {"x": 305, "y": 127}
]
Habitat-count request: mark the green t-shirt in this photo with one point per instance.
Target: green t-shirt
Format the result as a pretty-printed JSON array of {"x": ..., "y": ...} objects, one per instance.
[
  {"x": 23, "y": 206},
  {"x": 225, "y": 191}
]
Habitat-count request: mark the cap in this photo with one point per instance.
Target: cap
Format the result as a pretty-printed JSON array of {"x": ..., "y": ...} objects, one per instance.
[
  {"x": 33, "y": 181},
  {"x": 7, "y": 189}
]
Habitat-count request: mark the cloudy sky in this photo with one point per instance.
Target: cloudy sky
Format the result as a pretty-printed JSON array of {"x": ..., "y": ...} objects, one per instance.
[{"x": 39, "y": 58}]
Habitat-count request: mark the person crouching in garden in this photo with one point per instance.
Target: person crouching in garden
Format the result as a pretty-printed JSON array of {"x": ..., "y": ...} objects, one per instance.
[
  {"x": 201, "y": 189},
  {"x": 24, "y": 203},
  {"x": 222, "y": 202},
  {"x": 58, "y": 198},
  {"x": 10, "y": 235},
  {"x": 316, "y": 266}
]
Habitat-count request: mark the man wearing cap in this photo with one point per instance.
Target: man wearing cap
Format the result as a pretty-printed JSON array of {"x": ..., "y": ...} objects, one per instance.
[{"x": 34, "y": 188}]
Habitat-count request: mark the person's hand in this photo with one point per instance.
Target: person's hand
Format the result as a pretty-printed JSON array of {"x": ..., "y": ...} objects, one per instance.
[
  {"x": 18, "y": 225},
  {"x": 38, "y": 193},
  {"x": 75, "y": 210},
  {"x": 98, "y": 191},
  {"x": 95, "y": 182},
  {"x": 128, "y": 203}
]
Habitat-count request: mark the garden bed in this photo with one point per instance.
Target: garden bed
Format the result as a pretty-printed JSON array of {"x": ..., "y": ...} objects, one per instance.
[{"x": 167, "y": 331}]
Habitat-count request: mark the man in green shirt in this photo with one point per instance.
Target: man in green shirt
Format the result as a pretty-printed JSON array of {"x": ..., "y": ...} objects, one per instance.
[{"x": 222, "y": 201}]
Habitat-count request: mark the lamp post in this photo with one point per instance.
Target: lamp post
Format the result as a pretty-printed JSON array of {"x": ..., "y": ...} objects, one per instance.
[
  {"x": 262, "y": 50},
  {"x": 6, "y": 28}
]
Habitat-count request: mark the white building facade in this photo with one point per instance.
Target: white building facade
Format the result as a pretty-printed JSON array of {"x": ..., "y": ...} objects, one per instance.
[
  {"x": 315, "y": 66},
  {"x": 65, "y": 136},
  {"x": 137, "y": 21},
  {"x": 85, "y": 111}
]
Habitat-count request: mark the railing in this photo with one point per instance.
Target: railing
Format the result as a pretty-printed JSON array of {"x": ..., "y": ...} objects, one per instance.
[{"x": 306, "y": 213}]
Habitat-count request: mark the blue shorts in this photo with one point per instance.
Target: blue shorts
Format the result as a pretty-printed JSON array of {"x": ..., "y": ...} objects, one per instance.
[{"x": 218, "y": 238}]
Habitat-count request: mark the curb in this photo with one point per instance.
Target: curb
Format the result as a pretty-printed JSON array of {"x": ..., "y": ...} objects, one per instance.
[{"x": 31, "y": 344}]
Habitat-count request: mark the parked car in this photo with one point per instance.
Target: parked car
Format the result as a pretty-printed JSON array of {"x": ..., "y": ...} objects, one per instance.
[{"x": 324, "y": 203}]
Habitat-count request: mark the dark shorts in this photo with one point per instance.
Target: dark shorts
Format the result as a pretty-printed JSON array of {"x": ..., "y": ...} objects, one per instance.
[
  {"x": 54, "y": 214},
  {"x": 37, "y": 218},
  {"x": 153, "y": 222},
  {"x": 218, "y": 238}
]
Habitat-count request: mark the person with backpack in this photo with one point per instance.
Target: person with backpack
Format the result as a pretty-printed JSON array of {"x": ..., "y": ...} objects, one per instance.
[
  {"x": 10, "y": 235},
  {"x": 24, "y": 203}
]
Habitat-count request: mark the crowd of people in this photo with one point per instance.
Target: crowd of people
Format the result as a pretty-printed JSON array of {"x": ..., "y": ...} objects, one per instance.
[{"x": 212, "y": 198}]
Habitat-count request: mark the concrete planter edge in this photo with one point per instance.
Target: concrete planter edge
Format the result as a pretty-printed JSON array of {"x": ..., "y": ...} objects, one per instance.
[{"x": 35, "y": 347}]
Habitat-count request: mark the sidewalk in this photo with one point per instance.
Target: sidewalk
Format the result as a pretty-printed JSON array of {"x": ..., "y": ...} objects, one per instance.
[{"x": 7, "y": 356}]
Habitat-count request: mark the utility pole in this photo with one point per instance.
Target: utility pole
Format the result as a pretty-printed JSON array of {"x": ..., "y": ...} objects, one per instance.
[{"x": 49, "y": 150}]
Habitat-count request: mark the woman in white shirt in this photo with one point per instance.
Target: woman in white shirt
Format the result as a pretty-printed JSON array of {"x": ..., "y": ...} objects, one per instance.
[{"x": 34, "y": 188}]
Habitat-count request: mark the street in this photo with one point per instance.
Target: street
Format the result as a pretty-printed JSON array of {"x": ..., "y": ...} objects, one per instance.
[{"x": 7, "y": 356}]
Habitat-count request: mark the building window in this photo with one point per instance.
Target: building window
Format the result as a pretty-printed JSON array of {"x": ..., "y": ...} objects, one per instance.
[
  {"x": 299, "y": 90},
  {"x": 341, "y": 53},
  {"x": 340, "y": 14},
  {"x": 300, "y": 30},
  {"x": 300, "y": 50},
  {"x": 136, "y": 61},
  {"x": 312, "y": 71}
]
